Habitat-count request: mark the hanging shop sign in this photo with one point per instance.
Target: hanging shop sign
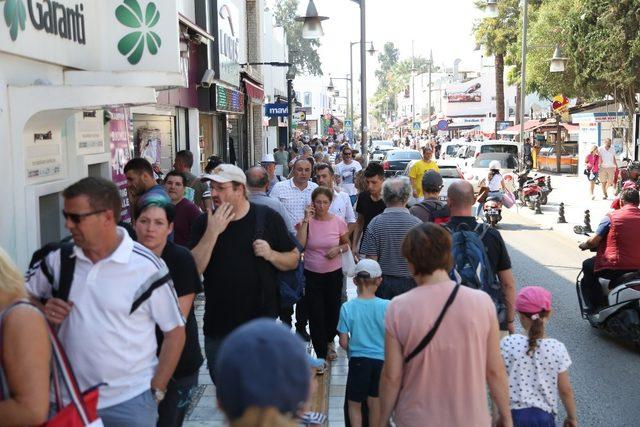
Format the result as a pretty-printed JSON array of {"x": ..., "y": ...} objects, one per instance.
[
  {"x": 280, "y": 109},
  {"x": 229, "y": 100},
  {"x": 97, "y": 35},
  {"x": 89, "y": 132},
  {"x": 231, "y": 34}
]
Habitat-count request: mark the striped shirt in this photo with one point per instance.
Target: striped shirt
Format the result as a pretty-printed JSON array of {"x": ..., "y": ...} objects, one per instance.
[{"x": 383, "y": 239}]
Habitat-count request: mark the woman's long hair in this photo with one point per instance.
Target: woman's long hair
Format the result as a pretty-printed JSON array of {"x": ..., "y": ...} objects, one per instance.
[{"x": 11, "y": 280}]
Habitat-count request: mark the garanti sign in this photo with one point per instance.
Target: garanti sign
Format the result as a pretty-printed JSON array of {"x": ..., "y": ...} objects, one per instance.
[{"x": 99, "y": 35}]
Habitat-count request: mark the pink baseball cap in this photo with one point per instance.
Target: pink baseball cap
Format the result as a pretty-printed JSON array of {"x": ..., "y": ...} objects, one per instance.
[{"x": 533, "y": 299}]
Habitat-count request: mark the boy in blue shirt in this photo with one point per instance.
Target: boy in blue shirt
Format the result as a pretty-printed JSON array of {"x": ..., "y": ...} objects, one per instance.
[{"x": 361, "y": 330}]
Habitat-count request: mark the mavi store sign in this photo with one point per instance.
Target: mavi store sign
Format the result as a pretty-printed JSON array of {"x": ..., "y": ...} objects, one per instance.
[{"x": 96, "y": 35}]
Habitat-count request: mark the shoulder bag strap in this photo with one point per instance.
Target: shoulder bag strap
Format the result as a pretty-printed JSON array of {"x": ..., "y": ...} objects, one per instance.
[
  {"x": 427, "y": 339},
  {"x": 67, "y": 268}
]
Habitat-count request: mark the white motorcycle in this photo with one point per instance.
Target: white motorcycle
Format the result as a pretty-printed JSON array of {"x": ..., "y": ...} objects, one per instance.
[{"x": 621, "y": 317}]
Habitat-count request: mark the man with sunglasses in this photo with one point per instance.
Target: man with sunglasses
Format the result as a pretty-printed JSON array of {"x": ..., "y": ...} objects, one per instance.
[
  {"x": 119, "y": 292},
  {"x": 347, "y": 170},
  {"x": 238, "y": 248}
]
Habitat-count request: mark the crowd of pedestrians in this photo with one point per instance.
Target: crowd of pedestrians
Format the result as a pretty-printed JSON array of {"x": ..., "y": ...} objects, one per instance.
[{"x": 424, "y": 343}]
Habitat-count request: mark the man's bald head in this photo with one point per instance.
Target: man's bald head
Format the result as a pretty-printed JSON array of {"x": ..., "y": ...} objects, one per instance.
[
  {"x": 460, "y": 198},
  {"x": 257, "y": 178}
]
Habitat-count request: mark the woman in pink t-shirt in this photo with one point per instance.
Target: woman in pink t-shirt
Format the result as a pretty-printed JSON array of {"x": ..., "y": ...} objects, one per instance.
[
  {"x": 325, "y": 238},
  {"x": 445, "y": 383}
]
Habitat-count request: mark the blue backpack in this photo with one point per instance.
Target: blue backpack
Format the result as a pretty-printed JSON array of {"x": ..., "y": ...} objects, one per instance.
[
  {"x": 471, "y": 266},
  {"x": 292, "y": 282}
]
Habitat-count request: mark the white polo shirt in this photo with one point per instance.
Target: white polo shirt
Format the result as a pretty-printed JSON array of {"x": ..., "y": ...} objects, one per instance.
[
  {"x": 293, "y": 199},
  {"x": 341, "y": 206},
  {"x": 109, "y": 335}
]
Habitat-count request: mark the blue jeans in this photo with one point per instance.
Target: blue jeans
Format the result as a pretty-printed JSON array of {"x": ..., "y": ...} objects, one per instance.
[
  {"x": 211, "y": 348},
  {"x": 140, "y": 411},
  {"x": 393, "y": 286},
  {"x": 173, "y": 408}
]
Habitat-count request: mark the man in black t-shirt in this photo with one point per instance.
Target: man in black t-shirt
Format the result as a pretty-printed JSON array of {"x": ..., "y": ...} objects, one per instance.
[
  {"x": 238, "y": 258},
  {"x": 460, "y": 200},
  {"x": 370, "y": 203},
  {"x": 154, "y": 224}
]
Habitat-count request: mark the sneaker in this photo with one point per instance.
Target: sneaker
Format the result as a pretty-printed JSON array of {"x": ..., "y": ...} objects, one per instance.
[{"x": 302, "y": 333}]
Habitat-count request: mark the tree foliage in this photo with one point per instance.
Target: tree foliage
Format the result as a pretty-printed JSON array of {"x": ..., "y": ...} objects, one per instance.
[
  {"x": 394, "y": 75},
  {"x": 303, "y": 53}
]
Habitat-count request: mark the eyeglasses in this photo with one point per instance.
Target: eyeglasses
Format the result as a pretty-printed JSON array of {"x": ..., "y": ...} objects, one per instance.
[
  {"x": 220, "y": 188},
  {"x": 77, "y": 218}
]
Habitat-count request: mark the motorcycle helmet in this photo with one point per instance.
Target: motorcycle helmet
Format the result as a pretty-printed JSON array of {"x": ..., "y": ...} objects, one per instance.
[
  {"x": 634, "y": 166},
  {"x": 494, "y": 164}
]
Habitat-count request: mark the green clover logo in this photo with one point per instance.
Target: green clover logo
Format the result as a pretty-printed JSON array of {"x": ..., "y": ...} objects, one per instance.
[
  {"x": 15, "y": 16},
  {"x": 129, "y": 14}
]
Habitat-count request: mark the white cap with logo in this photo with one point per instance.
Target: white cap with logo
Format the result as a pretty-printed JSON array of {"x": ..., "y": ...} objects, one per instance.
[{"x": 227, "y": 173}]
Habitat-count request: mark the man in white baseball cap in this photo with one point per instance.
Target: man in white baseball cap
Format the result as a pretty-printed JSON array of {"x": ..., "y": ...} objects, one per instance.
[
  {"x": 268, "y": 162},
  {"x": 238, "y": 249}
]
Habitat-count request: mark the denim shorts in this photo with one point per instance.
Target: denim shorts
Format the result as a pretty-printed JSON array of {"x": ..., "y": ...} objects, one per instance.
[{"x": 532, "y": 417}]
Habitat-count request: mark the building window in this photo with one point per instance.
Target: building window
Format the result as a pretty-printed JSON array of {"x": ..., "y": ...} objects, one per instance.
[{"x": 307, "y": 99}]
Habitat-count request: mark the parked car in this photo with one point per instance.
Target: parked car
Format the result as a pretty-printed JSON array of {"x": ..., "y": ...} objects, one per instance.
[
  {"x": 378, "y": 153},
  {"x": 449, "y": 149},
  {"x": 397, "y": 160},
  {"x": 480, "y": 167},
  {"x": 568, "y": 161}
]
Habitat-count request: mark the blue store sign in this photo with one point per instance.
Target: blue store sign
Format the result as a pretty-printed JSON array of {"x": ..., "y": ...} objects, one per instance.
[{"x": 276, "y": 110}]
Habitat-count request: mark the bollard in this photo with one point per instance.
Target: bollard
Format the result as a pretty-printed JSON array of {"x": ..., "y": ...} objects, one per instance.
[
  {"x": 549, "y": 183},
  {"x": 561, "y": 218},
  {"x": 587, "y": 222},
  {"x": 538, "y": 209}
]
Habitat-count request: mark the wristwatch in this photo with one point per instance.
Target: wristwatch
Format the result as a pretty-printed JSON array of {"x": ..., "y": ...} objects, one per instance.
[{"x": 158, "y": 395}]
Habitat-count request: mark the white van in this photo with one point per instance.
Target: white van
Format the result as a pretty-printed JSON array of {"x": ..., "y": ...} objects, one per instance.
[
  {"x": 467, "y": 155},
  {"x": 449, "y": 149}
]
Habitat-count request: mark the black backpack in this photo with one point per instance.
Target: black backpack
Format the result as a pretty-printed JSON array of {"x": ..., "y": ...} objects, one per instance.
[
  {"x": 62, "y": 286},
  {"x": 439, "y": 212}
]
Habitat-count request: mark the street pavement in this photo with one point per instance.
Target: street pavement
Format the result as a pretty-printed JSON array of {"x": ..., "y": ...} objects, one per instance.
[{"x": 605, "y": 374}]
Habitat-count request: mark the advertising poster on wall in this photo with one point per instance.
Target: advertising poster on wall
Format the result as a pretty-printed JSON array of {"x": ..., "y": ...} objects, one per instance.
[
  {"x": 470, "y": 91},
  {"x": 149, "y": 146},
  {"x": 43, "y": 154},
  {"x": 89, "y": 132},
  {"x": 119, "y": 138}
]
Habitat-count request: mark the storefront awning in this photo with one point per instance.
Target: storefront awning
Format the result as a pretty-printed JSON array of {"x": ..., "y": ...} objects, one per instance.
[
  {"x": 529, "y": 125},
  {"x": 255, "y": 92}
]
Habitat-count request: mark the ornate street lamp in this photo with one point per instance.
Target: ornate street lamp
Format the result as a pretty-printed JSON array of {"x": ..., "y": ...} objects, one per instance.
[
  {"x": 492, "y": 8},
  {"x": 371, "y": 51},
  {"x": 312, "y": 23},
  {"x": 558, "y": 62},
  {"x": 331, "y": 87}
]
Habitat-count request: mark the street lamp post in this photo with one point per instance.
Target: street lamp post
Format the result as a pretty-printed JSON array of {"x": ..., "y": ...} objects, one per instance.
[
  {"x": 371, "y": 51},
  {"x": 290, "y": 76},
  {"x": 312, "y": 29}
]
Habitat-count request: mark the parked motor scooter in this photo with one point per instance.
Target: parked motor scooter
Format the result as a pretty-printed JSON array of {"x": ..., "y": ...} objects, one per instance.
[
  {"x": 620, "y": 318},
  {"x": 493, "y": 210},
  {"x": 544, "y": 182},
  {"x": 528, "y": 191}
]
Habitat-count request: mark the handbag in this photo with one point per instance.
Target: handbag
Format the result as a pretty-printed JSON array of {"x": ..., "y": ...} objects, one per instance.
[
  {"x": 82, "y": 411},
  {"x": 427, "y": 339},
  {"x": 508, "y": 199},
  {"x": 348, "y": 263}
]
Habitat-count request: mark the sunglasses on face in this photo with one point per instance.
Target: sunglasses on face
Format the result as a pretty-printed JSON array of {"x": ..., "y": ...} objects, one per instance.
[{"x": 77, "y": 218}]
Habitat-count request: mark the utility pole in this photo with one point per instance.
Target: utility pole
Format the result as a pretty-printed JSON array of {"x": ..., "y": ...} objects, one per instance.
[
  {"x": 430, "y": 70},
  {"x": 363, "y": 81},
  {"x": 413, "y": 86},
  {"x": 523, "y": 75}
]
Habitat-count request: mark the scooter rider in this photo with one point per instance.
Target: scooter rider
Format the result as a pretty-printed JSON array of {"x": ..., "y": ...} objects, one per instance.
[
  {"x": 618, "y": 248},
  {"x": 631, "y": 173}
]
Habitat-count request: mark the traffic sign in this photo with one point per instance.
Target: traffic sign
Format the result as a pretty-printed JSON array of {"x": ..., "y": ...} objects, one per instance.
[
  {"x": 348, "y": 124},
  {"x": 300, "y": 116},
  {"x": 417, "y": 125},
  {"x": 443, "y": 124}
]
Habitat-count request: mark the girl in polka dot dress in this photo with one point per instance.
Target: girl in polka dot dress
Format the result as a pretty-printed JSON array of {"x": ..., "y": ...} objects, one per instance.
[{"x": 537, "y": 365}]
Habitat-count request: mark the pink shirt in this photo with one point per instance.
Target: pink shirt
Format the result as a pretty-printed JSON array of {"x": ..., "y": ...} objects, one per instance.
[
  {"x": 322, "y": 236},
  {"x": 444, "y": 385}
]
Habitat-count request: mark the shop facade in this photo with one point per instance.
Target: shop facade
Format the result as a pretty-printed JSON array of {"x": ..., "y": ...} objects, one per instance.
[{"x": 67, "y": 91}]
